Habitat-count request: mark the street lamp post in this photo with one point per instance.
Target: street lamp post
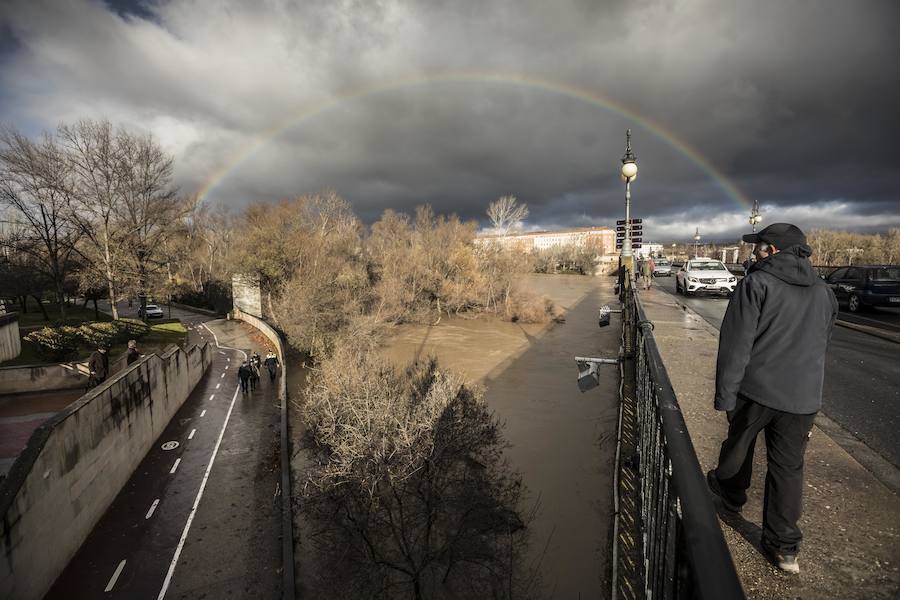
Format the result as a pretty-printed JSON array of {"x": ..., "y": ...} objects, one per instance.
[
  {"x": 696, "y": 242},
  {"x": 629, "y": 174}
]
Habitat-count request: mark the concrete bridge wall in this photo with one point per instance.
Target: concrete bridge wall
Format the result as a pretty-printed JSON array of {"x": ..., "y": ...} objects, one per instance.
[
  {"x": 10, "y": 344},
  {"x": 76, "y": 463}
]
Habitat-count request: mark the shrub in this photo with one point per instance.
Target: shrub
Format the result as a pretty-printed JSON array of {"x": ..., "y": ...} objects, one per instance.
[
  {"x": 56, "y": 343},
  {"x": 103, "y": 334}
]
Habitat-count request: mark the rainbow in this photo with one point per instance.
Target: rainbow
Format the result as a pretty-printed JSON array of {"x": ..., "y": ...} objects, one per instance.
[{"x": 569, "y": 91}]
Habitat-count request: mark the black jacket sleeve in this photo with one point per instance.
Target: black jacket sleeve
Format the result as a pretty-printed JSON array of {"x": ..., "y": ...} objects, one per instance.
[{"x": 736, "y": 338}]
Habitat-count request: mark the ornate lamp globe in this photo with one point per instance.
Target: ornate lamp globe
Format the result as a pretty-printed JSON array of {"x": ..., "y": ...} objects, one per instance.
[{"x": 629, "y": 171}]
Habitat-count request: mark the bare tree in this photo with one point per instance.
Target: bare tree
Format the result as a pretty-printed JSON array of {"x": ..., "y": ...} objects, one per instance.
[
  {"x": 409, "y": 494},
  {"x": 150, "y": 212},
  {"x": 35, "y": 181},
  {"x": 506, "y": 214}
]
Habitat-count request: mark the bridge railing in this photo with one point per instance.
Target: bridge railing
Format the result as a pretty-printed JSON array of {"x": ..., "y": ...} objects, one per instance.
[{"x": 682, "y": 548}]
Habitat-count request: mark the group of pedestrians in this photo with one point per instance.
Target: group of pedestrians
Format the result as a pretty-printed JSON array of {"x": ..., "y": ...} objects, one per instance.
[
  {"x": 646, "y": 268},
  {"x": 98, "y": 363},
  {"x": 249, "y": 371}
]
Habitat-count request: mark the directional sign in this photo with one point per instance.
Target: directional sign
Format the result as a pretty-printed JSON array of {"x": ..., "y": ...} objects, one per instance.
[{"x": 633, "y": 221}]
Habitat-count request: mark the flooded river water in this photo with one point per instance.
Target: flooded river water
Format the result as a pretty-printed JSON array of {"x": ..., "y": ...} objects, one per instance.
[{"x": 561, "y": 442}]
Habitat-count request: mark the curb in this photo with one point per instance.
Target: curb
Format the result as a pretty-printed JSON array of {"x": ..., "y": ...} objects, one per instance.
[
  {"x": 874, "y": 331},
  {"x": 196, "y": 309}
]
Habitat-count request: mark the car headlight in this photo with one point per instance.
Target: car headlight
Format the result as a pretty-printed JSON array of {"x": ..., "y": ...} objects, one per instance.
[
  {"x": 692, "y": 279},
  {"x": 732, "y": 279}
]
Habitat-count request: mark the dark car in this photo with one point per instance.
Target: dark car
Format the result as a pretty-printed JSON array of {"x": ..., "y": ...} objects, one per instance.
[{"x": 864, "y": 286}]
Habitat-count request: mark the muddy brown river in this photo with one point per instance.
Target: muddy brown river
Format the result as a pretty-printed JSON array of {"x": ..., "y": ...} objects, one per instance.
[{"x": 561, "y": 442}]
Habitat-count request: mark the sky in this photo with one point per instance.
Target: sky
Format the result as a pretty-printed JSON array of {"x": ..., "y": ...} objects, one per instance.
[{"x": 455, "y": 103}]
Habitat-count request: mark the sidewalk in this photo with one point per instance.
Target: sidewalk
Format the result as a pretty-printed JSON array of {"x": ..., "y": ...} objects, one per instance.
[{"x": 851, "y": 521}]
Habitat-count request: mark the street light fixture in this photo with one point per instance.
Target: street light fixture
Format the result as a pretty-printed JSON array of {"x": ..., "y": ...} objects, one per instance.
[
  {"x": 629, "y": 174},
  {"x": 697, "y": 242},
  {"x": 755, "y": 217}
]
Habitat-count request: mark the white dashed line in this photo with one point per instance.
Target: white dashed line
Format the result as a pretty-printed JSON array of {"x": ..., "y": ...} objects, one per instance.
[
  {"x": 218, "y": 385},
  {"x": 228, "y": 359},
  {"x": 223, "y": 375},
  {"x": 187, "y": 526},
  {"x": 203, "y": 412},
  {"x": 175, "y": 466},
  {"x": 191, "y": 434},
  {"x": 226, "y": 367},
  {"x": 115, "y": 576},
  {"x": 211, "y": 396},
  {"x": 222, "y": 353},
  {"x": 152, "y": 508}
]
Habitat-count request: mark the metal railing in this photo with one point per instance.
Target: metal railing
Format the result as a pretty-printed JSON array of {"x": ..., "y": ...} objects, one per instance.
[{"x": 680, "y": 543}]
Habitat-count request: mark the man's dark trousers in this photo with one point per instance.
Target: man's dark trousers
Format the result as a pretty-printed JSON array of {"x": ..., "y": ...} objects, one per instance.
[{"x": 786, "y": 437}]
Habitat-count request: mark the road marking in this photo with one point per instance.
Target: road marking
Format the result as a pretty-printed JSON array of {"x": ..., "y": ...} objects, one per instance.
[
  {"x": 211, "y": 396},
  {"x": 191, "y": 434},
  {"x": 223, "y": 375},
  {"x": 228, "y": 359},
  {"x": 203, "y": 412},
  {"x": 175, "y": 466},
  {"x": 187, "y": 526},
  {"x": 226, "y": 368},
  {"x": 115, "y": 576},
  {"x": 218, "y": 385},
  {"x": 222, "y": 353},
  {"x": 152, "y": 508}
]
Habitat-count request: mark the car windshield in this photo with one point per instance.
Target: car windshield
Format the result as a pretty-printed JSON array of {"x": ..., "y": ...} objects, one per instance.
[
  {"x": 712, "y": 265},
  {"x": 661, "y": 262},
  {"x": 886, "y": 274},
  {"x": 152, "y": 307}
]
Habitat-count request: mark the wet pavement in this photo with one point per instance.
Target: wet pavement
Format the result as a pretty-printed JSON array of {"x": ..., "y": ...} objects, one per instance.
[
  {"x": 201, "y": 520},
  {"x": 21, "y": 414},
  {"x": 862, "y": 386},
  {"x": 560, "y": 440}
]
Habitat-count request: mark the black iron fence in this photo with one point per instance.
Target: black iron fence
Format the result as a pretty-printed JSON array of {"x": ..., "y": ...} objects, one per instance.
[{"x": 677, "y": 549}]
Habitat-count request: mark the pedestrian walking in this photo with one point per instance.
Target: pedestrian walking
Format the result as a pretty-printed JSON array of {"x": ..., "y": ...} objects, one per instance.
[
  {"x": 244, "y": 376},
  {"x": 769, "y": 374},
  {"x": 98, "y": 367},
  {"x": 254, "y": 372},
  {"x": 133, "y": 353},
  {"x": 647, "y": 272},
  {"x": 271, "y": 364}
]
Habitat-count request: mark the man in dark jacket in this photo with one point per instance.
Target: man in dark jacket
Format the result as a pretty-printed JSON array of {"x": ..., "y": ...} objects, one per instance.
[
  {"x": 244, "y": 374},
  {"x": 769, "y": 375},
  {"x": 98, "y": 365}
]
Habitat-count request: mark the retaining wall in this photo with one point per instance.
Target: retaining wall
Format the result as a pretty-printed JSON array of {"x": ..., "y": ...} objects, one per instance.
[
  {"x": 10, "y": 344},
  {"x": 75, "y": 464},
  {"x": 52, "y": 376}
]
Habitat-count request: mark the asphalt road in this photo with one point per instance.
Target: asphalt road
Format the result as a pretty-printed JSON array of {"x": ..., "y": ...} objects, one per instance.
[
  {"x": 201, "y": 520},
  {"x": 862, "y": 377}
]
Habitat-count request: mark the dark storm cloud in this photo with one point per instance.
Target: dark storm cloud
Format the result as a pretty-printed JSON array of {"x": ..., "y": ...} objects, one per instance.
[{"x": 794, "y": 101}]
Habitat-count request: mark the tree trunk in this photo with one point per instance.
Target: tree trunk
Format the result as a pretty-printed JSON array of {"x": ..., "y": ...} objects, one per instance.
[
  {"x": 24, "y": 303},
  {"x": 41, "y": 306},
  {"x": 61, "y": 300},
  {"x": 110, "y": 283},
  {"x": 96, "y": 309}
]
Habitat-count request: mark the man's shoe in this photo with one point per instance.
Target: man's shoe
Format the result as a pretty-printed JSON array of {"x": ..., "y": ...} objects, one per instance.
[
  {"x": 785, "y": 562},
  {"x": 713, "y": 482}
]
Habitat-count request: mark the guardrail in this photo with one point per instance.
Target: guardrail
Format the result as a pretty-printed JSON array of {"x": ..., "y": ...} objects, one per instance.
[{"x": 677, "y": 535}]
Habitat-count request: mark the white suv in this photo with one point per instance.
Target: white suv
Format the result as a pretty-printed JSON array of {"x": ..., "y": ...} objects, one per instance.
[{"x": 704, "y": 275}]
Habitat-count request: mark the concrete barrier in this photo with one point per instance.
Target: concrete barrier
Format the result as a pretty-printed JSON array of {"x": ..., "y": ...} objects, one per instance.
[
  {"x": 10, "y": 344},
  {"x": 287, "y": 518},
  {"x": 75, "y": 464},
  {"x": 25, "y": 379}
]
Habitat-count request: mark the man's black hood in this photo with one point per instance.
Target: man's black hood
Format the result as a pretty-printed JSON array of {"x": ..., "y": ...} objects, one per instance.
[{"x": 791, "y": 265}]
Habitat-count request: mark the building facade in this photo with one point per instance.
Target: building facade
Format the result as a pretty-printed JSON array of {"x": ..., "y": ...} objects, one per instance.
[{"x": 603, "y": 238}]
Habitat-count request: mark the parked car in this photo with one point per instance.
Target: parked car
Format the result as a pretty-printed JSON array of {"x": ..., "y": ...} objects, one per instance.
[
  {"x": 704, "y": 275},
  {"x": 153, "y": 312},
  {"x": 863, "y": 286},
  {"x": 662, "y": 267}
]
